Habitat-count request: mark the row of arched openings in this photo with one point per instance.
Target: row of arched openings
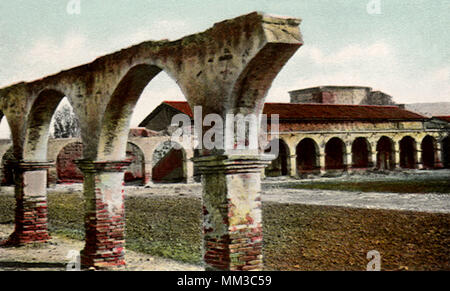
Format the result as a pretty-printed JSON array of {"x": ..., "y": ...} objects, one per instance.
[
  {"x": 168, "y": 165},
  {"x": 308, "y": 161}
]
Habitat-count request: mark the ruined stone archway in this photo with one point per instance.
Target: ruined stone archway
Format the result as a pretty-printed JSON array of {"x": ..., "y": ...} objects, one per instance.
[
  {"x": 385, "y": 154},
  {"x": 169, "y": 163},
  {"x": 115, "y": 125},
  {"x": 335, "y": 154},
  {"x": 7, "y": 168},
  {"x": 428, "y": 148},
  {"x": 408, "y": 153},
  {"x": 361, "y": 153},
  {"x": 307, "y": 152},
  {"x": 66, "y": 168},
  {"x": 31, "y": 169},
  {"x": 135, "y": 173},
  {"x": 38, "y": 125},
  {"x": 280, "y": 165},
  {"x": 229, "y": 68}
]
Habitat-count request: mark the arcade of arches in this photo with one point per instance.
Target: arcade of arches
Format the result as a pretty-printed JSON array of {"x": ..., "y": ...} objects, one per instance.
[
  {"x": 320, "y": 153},
  {"x": 227, "y": 68}
]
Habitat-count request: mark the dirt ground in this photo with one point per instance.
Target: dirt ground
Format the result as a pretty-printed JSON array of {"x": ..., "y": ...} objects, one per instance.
[
  {"x": 56, "y": 255},
  {"x": 303, "y": 229}
]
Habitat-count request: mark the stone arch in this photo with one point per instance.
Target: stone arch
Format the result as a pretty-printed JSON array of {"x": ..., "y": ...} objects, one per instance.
[
  {"x": 408, "y": 153},
  {"x": 135, "y": 173},
  {"x": 38, "y": 125},
  {"x": 335, "y": 154},
  {"x": 4, "y": 126},
  {"x": 445, "y": 148},
  {"x": 385, "y": 153},
  {"x": 66, "y": 169},
  {"x": 116, "y": 120},
  {"x": 8, "y": 172},
  {"x": 228, "y": 69},
  {"x": 428, "y": 148},
  {"x": 280, "y": 166},
  {"x": 6, "y": 152},
  {"x": 169, "y": 163},
  {"x": 361, "y": 153},
  {"x": 307, "y": 152}
]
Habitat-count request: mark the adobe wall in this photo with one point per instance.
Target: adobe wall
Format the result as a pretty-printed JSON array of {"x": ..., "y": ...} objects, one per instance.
[{"x": 341, "y": 95}]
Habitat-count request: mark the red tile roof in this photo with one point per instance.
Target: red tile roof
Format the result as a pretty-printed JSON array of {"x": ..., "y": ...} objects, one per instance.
[
  {"x": 444, "y": 118},
  {"x": 296, "y": 111},
  {"x": 181, "y": 106}
]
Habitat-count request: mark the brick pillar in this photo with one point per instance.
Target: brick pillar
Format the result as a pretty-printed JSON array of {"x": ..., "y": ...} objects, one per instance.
[
  {"x": 232, "y": 216},
  {"x": 31, "y": 222},
  {"x": 104, "y": 220}
]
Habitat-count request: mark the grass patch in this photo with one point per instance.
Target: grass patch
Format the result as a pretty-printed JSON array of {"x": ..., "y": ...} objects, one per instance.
[
  {"x": 296, "y": 237},
  {"x": 441, "y": 185},
  {"x": 165, "y": 226}
]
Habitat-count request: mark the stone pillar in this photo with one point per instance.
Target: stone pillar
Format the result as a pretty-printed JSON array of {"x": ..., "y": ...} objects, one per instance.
[
  {"x": 148, "y": 173},
  {"x": 189, "y": 171},
  {"x": 348, "y": 161},
  {"x": 293, "y": 169},
  {"x": 104, "y": 214},
  {"x": 31, "y": 222},
  {"x": 396, "y": 155},
  {"x": 52, "y": 176},
  {"x": 232, "y": 215},
  {"x": 438, "y": 158},
  {"x": 263, "y": 174},
  {"x": 373, "y": 155},
  {"x": 322, "y": 162},
  {"x": 419, "y": 161}
]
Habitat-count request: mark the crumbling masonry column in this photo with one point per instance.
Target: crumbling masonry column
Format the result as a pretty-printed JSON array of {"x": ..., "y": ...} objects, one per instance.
[
  {"x": 232, "y": 223},
  {"x": 104, "y": 214},
  {"x": 31, "y": 222}
]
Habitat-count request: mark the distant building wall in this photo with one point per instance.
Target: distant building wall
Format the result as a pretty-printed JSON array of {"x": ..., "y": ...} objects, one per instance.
[{"x": 341, "y": 95}]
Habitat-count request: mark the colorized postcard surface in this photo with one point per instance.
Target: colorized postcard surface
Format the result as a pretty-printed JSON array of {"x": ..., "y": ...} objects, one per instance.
[{"x": 290, "y": 135}]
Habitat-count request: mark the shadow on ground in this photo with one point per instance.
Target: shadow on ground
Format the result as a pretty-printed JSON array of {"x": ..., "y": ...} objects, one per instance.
[{"x": 27, "y": 265}]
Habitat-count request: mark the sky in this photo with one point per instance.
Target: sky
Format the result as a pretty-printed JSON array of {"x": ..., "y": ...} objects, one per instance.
[{"x": 400, "y": 47}]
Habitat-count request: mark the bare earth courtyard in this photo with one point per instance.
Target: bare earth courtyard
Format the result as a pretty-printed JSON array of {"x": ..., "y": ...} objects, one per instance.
[
  {"x": 430, "y": 211},
  {"x": 53, "y": 257}
]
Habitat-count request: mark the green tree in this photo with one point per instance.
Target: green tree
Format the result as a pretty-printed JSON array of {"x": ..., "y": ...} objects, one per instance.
[{"x": 66, "y": 123}]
